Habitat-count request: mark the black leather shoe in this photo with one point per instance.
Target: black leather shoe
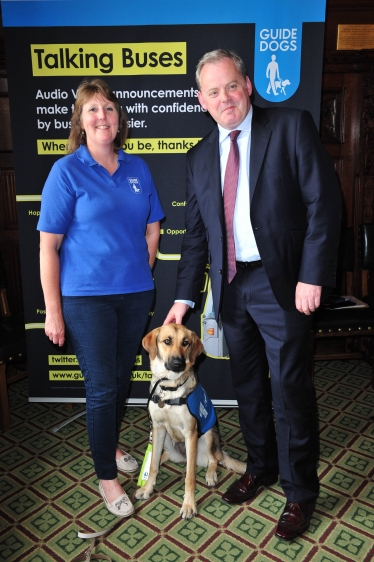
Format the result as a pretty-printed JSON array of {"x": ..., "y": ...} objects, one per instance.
[
  {"x": 247, "y": 486},
  {"x": 295, "y": 520}
]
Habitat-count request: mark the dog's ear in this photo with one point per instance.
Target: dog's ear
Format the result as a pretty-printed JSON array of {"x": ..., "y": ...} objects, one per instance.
[
  {"x": 149, "y": 343},
  {"x": 196, "y": 348}
]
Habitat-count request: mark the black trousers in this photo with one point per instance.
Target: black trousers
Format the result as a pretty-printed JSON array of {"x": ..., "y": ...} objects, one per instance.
[{"x": 262, "y": 337}]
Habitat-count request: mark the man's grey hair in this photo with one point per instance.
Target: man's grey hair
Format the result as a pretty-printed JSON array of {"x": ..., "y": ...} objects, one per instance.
[{"x": 216, "y": 56}]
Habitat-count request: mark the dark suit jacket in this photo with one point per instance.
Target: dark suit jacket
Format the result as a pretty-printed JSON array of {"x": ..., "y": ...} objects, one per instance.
[{"x": 295, "y": 208}]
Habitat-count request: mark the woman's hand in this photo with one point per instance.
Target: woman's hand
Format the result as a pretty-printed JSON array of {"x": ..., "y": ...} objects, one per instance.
[
  {"x": 50, "y": 278},
  {"x": 55, "y": 328}
]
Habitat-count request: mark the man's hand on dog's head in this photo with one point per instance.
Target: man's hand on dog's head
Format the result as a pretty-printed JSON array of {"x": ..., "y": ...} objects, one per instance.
[{"x": 176, "y": 313}]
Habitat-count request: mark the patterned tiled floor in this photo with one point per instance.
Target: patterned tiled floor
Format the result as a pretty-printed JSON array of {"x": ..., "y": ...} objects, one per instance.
[{"x": 48, "y": 489}]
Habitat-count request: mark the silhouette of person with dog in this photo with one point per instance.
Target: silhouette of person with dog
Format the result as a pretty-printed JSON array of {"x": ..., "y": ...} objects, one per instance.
[{"x": 272, "y": 72}]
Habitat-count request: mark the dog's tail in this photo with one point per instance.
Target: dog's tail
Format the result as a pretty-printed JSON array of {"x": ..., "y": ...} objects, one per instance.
[{"x": 232, "y": 464}]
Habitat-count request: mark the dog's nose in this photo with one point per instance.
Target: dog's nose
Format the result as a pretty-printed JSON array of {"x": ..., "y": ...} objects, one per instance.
[{"x": 176, "y": 364}]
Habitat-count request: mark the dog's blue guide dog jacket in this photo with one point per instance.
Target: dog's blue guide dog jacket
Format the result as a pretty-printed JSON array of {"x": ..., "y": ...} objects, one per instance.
[{"x": 201, "y": 408}]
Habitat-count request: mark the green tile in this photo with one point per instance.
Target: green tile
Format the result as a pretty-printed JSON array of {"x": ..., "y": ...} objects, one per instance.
[
  {"x": 41, "y": 443},
  {"x": 76, "y": 500},
  {"x": 269, "y": 503},
  {"x": 356, "y": 463},
  {"x": 226, "y": 548},
  {"x": 38, "y": 555},
  {"x": 325, "y": 414},
  {"x": 164, "y": 551},
  {"x": 367, "y": 494},
  {"x": 7, "y": 487},
  {"x": 359, "y": 410},
  {"x": 130, "y": 437},
  {"x": 230, "y": 416},
  {"x": 23, "y": 433},
  {"x": 252, "y": 526},
  {"x": 32, "y": 470},
  {"x": 66, "y": 544},
  {"x": 13, "y": 544},
  {"x": 45, "y": 522},
  {"x": 32, "y": 409},
  {"x": 215, "y": 510},
  {"x": 337, "y": 436},
  {"x": 347, "y": 421},
  {"x": 53, "y": 484},
  {"x": 80, "y": 468},
  {"x": 330, "y": 503},
  {"x": 48, "y": 419},
  {"x": 80, "y": 440},
  {"x": 345, "y": 391},
  {"x": 351, "y": 543},
  {"x": 327, "y": 451},
  {"x": 365, "y": 446},
  {"x": 131, "y": 536},
  {"x": 366, "y": 398},
  {"x": 362, "y": 517},
  {"x": 330, "y": 401},
  {"x": 98, "y": 518},
  {"x": 342, "y": 480},
  {"x": 61, "y": 453},
  {"x": 355, "y": 381},
  {"x": 291, "y": 550},
  {"x": 323, "y": 556},
  {"x": 193, "y": 532},
  {"x": 4, "y": 444},
  {"x": 12, "y": 457},
  {"x": 159, "y": 512},
  {"x": 21, "y": 504}
]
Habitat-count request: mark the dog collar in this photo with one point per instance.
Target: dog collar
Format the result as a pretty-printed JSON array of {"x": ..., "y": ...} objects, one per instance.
[{"x": 171, "y": 402}]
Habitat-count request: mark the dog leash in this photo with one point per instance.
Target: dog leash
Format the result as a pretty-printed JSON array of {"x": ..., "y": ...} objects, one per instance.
[{"x": 87, "y": 556}]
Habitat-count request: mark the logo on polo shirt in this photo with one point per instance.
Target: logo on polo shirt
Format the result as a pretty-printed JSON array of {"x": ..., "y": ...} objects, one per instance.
[{"x": 134, "y": 184}]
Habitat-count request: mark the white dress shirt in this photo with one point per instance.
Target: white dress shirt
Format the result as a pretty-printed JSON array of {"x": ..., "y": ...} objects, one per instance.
[{"x": 245, "y": 243}]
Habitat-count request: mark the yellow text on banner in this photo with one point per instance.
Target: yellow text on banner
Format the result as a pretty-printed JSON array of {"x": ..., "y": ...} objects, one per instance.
[
  {"x": 141, "y": 376},
  {"x": 65, "y": 376},
  {"x": 105, "y": 59},
  {"x": 62, "y": 360},
  {"x": 160, "y": 146},
  {"x": 132, "y": 146}
]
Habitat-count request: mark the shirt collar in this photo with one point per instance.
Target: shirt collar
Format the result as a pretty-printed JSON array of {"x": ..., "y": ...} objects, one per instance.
[
  {"x": 245, "y": 125},
  {"x": 84, "y": 155}
]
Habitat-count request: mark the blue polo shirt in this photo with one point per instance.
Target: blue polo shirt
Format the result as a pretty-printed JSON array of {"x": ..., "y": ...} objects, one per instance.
[{"x": 103, "y": 219}]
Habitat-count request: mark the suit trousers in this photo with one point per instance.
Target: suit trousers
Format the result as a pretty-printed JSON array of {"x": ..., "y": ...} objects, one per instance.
[{"x": 262, "y": 338}]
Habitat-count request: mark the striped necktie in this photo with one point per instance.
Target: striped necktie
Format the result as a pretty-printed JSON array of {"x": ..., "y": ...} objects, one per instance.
[{"x": 229, "y": 198}]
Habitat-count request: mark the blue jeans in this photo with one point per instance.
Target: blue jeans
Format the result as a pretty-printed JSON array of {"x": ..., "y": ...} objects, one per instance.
[{"x": 105, "y": 333}]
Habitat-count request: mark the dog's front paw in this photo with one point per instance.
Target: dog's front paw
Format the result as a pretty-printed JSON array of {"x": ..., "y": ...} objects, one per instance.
[
  {"x": 188, "y": 510},
  {"x": 143, "y": 493},
  {"x": 211, "y": 477}
]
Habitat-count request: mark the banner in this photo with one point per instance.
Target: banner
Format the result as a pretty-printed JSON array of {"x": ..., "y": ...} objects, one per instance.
[{"x": 147, "y": 52}]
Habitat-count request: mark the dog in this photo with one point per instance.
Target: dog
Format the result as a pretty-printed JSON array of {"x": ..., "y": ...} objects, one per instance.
[
  {"x": 282, "y": 85},
  {"x": 173, "y": 350}
]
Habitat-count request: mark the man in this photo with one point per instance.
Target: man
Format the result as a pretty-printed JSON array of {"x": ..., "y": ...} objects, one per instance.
[{"x": 286, "y": 232}]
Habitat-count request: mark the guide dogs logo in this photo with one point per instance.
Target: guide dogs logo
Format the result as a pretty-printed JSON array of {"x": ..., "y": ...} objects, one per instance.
[
  {"x": 134, "y": 184},
  {"x": 277, "y": 60}
]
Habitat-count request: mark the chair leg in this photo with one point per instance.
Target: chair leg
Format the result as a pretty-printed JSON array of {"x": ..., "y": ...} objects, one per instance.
[{"x": 4, "y": 401}]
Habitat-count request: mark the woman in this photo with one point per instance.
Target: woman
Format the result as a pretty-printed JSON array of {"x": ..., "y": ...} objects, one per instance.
[{"x": 99, "y": 230}]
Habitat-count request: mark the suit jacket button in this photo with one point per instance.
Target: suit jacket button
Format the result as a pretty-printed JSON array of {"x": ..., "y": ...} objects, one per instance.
[{"x": 220, "y": 271}]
